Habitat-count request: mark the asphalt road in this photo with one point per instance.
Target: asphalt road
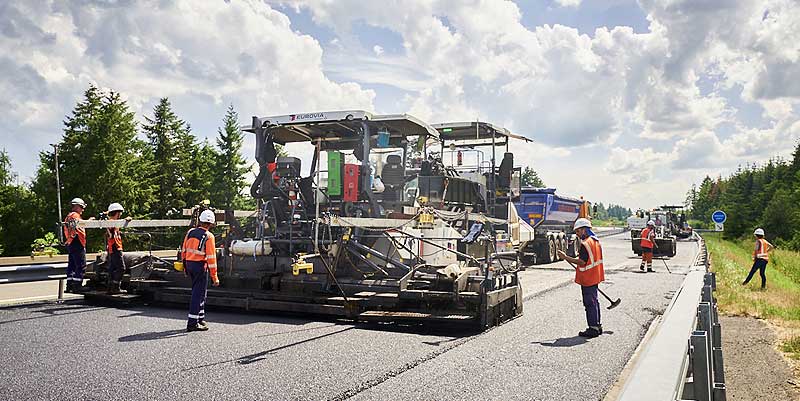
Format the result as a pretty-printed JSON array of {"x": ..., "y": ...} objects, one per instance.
[{"x": 80, "y": 351}]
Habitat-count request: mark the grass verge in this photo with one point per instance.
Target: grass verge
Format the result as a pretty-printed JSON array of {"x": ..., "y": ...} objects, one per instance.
[{"x": 779, "y": 304}]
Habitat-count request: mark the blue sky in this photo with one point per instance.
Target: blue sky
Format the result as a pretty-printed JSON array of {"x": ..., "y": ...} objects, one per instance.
[{"x": 627, "y": 101}]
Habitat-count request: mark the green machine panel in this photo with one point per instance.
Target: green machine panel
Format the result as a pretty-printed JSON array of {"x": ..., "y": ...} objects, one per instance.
[{"x": 335, "y": 165}]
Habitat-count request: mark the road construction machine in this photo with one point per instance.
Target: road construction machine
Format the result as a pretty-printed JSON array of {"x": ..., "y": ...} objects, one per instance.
[
  {"x": 377, "y": 228},
  {"x": 665, "y": 228}
]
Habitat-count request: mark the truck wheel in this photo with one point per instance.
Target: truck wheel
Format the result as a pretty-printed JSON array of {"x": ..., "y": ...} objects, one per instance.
[
  {"x": 563, "y": 247},
  {"x": 552, "y": 256},
  {"x": 573, "y": 248},
  {"x": 674, "y": 249}
]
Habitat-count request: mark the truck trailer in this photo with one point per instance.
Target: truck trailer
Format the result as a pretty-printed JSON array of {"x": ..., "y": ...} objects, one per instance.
[{"x": 551, "y": 217}]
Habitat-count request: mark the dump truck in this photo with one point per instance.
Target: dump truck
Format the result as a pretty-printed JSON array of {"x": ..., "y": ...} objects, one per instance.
[
  {"x": 551, "y": 216},
  {"x": 376, "y": 229}
]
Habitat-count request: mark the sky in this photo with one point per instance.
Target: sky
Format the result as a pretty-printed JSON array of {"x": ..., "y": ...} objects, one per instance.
[{"x": 627, "y": 102}]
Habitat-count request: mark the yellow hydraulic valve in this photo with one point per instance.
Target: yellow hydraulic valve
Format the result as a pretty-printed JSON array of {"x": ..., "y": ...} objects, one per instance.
[
  {"x": 425, "y": 219},
  {"x": 302, "y": 266}
]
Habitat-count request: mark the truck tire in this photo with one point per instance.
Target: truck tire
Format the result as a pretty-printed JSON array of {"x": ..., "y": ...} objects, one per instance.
[
  {"x": 552, "y": 256},
  {"x": 563, "y": 242},
  {"x": 674, "y": 248},
  {"x": 573, "y": 248}
]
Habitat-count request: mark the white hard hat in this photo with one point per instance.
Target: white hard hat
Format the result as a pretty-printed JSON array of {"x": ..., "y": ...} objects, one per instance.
[
  {"x": 651, "y": 223},
  {"x": 115, "y": 207},
  {"x": 207, "y": 217},
  {"x": 78, "y": 201},
  {"x": 582, "y": 223},
  {"x": 759, "y": 231}
]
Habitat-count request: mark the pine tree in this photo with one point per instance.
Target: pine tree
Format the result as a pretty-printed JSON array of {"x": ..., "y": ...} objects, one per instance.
[
  {"x": 171, "y": 147},
  {"x": 530, "y": 178},
  {"x": 100, "y": 160},
  {"x": 229, "y": 168}
]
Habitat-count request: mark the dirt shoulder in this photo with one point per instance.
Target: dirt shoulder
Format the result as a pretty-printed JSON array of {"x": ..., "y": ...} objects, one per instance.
[{"x": 754, "y": 368}]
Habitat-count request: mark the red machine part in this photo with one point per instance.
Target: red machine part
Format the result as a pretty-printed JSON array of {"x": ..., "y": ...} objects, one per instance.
[{"x": 350, "y": 183}]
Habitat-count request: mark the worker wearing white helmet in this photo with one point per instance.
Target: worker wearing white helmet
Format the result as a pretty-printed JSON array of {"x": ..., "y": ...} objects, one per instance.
[
  {"x": 760, "y": 258},
  {"x": 647, "y": 242},
  {"x": 75, "y": 238},
  {"x": 199, "y": 255},
  {"x": 589, "y": 273},
  {"x": 116, "y": 262}
]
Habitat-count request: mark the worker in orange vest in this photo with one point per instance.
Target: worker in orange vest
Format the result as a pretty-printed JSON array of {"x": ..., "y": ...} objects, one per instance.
[
  {"x": 75, "y": 238},
  {"x": 760, "y": 258},
  {"x": 589, "y": 273},
  {"x": 647, "y": 242},
  {"x": 116, "y": 262},
  {"x": 199, "y": 255}
]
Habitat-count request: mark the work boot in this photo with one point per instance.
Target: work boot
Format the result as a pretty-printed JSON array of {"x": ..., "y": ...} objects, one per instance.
[
  {"x": 641, "y": 267},
  {"x": 113, "y": 288},
  {"x": 197, "y": 327},
  {"x": 69, "y": 286},
  {"x": 590, "y": 332},
  {"x": 650, "y": 269},
  {"x": 202, "y": 323}
]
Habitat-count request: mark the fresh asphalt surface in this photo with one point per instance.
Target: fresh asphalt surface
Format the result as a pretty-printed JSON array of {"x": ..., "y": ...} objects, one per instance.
[{"x": 79, "y": 351}]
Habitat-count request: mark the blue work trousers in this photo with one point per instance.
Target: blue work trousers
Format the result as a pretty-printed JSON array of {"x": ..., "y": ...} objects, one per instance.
[
  {"x": 760, "y": 266},
  {"x": 592, "y": 305},
  {"x": 76, "y": 261},
  {"x": 197, "y": 306}
]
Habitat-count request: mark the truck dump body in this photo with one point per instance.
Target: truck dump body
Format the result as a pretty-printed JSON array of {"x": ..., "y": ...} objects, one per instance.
[{"x": 542, "y": 206}]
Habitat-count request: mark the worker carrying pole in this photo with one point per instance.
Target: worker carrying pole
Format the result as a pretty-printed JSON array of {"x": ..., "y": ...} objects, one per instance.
[
  {"x": 760, "y": 258},
  {"x": 647, "y": 242},
  {"x": 76, "y": 246},
  {"x": 589, "y": 273},
  {"x": 116, "y": 262},
  {"x": 199, "y": 254}
]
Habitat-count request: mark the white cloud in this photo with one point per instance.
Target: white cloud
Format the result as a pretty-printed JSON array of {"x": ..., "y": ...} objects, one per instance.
[
  {"x": 243, "y": 52},
  {"x": 646, "y": 107},
  {"x": 569, "y": 3}
]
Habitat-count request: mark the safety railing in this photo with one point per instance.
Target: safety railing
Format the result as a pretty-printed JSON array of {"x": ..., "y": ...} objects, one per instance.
[
  {"x": 683, "y": 359},
  {"x": 29, "y": 273}
]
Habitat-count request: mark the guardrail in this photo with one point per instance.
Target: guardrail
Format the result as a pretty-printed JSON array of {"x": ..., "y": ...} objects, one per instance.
[
  {"x": 683, "y": 360},
  {"x": 30, "y": 273}
]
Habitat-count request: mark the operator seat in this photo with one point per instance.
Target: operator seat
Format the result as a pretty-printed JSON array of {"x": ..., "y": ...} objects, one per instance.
[{"x": 393, "y": 177}]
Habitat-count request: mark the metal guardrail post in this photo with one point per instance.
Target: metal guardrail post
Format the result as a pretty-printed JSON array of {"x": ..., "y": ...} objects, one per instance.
[
  {"x": 701, "y": 374},
  {"x": 60, "y": 291}
]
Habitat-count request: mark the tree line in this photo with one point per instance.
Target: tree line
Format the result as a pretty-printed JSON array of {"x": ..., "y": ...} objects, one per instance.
[
  {"x": 102, "y": 158},
  {"x": 765, "y": 195}
]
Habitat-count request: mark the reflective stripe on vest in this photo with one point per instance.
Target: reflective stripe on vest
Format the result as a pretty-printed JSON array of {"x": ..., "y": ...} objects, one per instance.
[
  {"x": 646, "y": 242},
  {"x": 591, "y": 272},
  {"x": 763, "y": 249}
]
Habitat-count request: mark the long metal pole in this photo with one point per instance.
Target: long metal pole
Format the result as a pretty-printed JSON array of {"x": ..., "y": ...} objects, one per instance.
[
  {"x": 316, "y": 200},
  {"x": 60, "y": 219}
]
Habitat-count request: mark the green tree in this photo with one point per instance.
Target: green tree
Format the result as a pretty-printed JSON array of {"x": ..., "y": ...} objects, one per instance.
[
  {"x": 100, "y": 160},
  {"x": 530, "y": 178},
  {"x": 230, "y": 167},
  {"x": 171, "y": 154},
  {"x": 19, "y": 212}
]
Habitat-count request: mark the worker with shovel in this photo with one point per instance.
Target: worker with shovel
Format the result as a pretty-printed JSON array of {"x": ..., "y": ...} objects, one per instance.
[
  {"x": 588, "y": 274},
  {"x": 647, "y": 242}
]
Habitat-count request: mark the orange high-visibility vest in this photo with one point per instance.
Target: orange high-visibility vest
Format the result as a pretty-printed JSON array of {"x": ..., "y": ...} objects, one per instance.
[
  {"x": 646, "y": 242},
  {"x": 761, "y": 253},
  {"x": 113, "y": 237},
  {"x": 71, "y": 228},
  {"x": 591, "y": 272},
  {"x": 198, "y": 246}
]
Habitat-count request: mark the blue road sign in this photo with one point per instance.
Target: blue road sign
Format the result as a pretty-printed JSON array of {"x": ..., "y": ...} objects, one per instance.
[{"x": 719, "y": 217}]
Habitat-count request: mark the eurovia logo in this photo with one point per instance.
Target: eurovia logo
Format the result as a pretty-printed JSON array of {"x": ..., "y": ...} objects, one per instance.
[{"x": 307, "y": 116}]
